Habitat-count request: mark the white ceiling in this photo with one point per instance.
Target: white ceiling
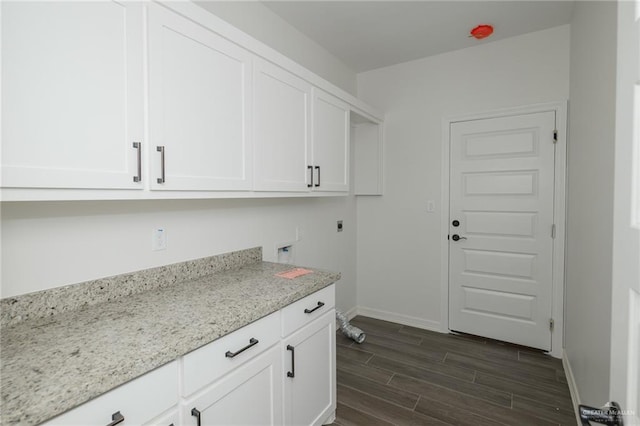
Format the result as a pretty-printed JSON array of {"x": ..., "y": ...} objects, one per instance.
[{"x": 367, "y": 35}]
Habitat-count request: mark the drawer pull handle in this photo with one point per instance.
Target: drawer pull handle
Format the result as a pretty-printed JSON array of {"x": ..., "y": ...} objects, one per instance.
[
  {"x": 252, "y": 342},
  {"x": 318, "y": 306},
  {"x": 195, "y": 413},
  {"x": 292, "y": 373},
  {"x": 117, "y": 418},
  {"x": 310, "y": 168}
]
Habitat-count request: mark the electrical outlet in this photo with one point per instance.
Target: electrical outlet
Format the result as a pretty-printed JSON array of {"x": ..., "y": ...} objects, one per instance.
[
  {"x": 159, "y": 239},
  {"x": 340, "y": 226},
  {"x": 431, "y": 206}
]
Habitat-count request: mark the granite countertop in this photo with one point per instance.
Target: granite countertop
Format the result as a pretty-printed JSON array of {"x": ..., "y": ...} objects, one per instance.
[{"x": 50, "y": 365}]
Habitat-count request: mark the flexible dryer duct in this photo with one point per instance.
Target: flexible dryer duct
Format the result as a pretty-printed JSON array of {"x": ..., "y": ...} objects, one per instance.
[{"x": 349, "y": 330}]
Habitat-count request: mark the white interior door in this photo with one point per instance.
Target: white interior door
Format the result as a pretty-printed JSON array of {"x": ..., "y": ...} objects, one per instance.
[
  {"x": 501, "y": 208},
  {"x": 625, "y": 325}
]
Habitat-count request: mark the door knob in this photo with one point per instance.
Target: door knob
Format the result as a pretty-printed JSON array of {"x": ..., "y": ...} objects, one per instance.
[{"x": 456, "y": 237}]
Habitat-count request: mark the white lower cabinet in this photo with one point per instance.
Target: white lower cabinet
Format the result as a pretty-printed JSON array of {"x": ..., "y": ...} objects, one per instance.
[
  {"x": 138, "y": 402},
  {"x": 288, "y": 379},
  {"x": 280, "y": 369},
  {"x": 204, "y": 366},
  {"x": 250, "y": 395},
  {"x": 310, "y": 380}
]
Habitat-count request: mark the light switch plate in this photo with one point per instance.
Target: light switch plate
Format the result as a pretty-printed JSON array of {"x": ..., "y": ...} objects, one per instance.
[{"x": 159, "y": 239}]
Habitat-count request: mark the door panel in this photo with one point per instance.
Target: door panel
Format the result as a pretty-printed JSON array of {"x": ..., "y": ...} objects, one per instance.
[
  {"x": 310, "y": 395},
  {"x": 199, "y": 105},
  {"x": 508, "y": 183},
  {"x": 72, "y": 94},
  {"x": 502, "y": 189},
  {"x": 505, "y": 224},
  {"x": 248, "y": 395},
  {"x": 499, "y": 264},
  {"x": 281, "y": 129},
  {"x": 499, "y": 304},
  {"x": 330, "y": 142}
]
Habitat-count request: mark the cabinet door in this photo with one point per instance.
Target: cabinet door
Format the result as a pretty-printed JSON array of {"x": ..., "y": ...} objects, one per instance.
[
  {"x": 72, "y": 94},
  {"x": 249, "y": 395},
  {"x": 281, "y": 129},
  {"x": 310, "y": 395},
  {"x": 330, "y": 143},
  {"x": 199, "y": 106}
]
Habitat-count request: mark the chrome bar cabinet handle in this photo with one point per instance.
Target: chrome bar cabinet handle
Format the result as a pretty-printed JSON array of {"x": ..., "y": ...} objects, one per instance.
[
  {"x": 160, "y": 149},
  {"x": 138, "y": 147}
]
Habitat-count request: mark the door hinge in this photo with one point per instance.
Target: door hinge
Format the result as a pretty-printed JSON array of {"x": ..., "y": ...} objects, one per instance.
[
  {"x": 553, "y": 231},
  {"x": 551, "y": 324},
  {"x": 555, "y": 136}
]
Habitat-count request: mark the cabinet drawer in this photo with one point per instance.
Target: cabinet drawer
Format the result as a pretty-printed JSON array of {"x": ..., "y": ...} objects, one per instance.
[
  {"x": 138, "y": 401},
  {"x": 307, "y": 309},
  {"x": 212, "y": 361}
]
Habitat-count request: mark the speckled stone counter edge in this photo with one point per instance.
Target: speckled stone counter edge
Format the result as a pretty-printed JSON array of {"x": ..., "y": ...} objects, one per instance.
[{"x": 71, "y": 297}]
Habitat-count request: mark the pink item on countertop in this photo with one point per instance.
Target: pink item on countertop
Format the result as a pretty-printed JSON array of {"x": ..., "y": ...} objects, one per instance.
[{"x": 294, "y": 273}]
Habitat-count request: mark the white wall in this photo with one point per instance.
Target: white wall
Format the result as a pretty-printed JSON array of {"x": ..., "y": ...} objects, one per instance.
[
  {"x": 590, "y": 197},
  {"x": 49, "y": 244},
  {"x": 399, "y": 255},
  {"x": 260, "y": 22}
]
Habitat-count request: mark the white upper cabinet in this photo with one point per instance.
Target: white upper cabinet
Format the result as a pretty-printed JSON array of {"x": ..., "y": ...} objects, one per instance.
[
  {"x": 281, "y": 129},
  {"x": 72, "y": 94},
  {"x": 331, "y": 135},
  {"x": 199, "y": 106},
  {"x": 102, "y": 97}
]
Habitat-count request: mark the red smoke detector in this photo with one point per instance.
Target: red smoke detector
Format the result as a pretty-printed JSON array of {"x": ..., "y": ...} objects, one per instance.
[{"x": 481, "y": 31}]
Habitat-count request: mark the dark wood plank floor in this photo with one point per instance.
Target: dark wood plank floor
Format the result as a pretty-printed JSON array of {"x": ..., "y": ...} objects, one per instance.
[{"x": 403, "y": 375}]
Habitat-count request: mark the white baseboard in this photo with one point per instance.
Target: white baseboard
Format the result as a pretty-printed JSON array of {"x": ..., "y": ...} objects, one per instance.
[
  {"x": 352, "y": 313},
  {"x": 573, "y": 388},
  {"x": 399, "y": 318}
]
